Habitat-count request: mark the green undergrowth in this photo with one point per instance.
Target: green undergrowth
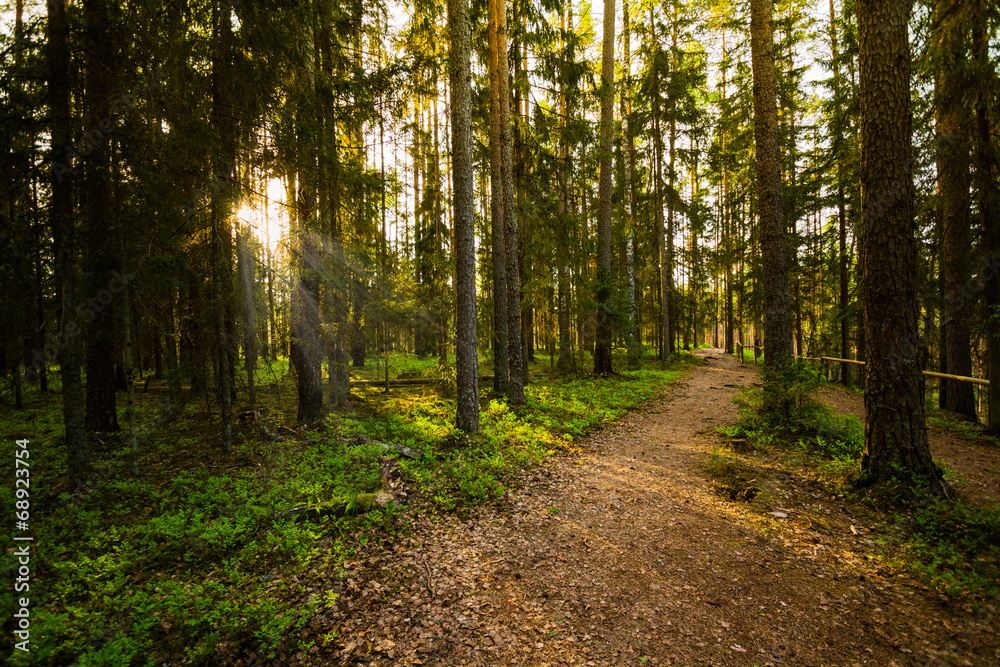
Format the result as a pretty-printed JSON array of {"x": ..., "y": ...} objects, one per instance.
[
  {"x": 952, "y": 545},
  {"x": 809, "y": 424},
  {"x": 188, "y": 563}
]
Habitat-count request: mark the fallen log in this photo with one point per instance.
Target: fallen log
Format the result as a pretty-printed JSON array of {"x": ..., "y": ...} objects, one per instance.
[
  {"x": 340, "y": 507},
  {"x": 392, "y": 477},
  {"x": 411, "y": 382}
]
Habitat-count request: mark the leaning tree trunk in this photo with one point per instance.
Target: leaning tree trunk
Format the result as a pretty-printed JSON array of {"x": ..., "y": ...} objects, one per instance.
[
  {"x": 460, "y": 76},
  {"x": 895, "y": 432},
  {"x": 777, "y": 313},
  {"x": 602, "y": 348}
]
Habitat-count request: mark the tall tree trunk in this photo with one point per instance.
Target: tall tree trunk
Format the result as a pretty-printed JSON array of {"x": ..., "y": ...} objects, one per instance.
[
  {"x": 273, "y": 338},
  {"x": 460, "y": 75},
  {"x": 602, "y": 347},
  {"x": 672, "y": 196},
  {"x": 133, "y": 440},
  {"x": 246, "y": 269},
  {"x": 895, "y": 432},
  {"x": 838, "y": 143},
  {"x": 440, "y": 279},
  {"x": 499, "y": 252},
  {"x": 694, "y": 280},
  {"x": 953, "y": 183},
  {"x": 305, "y": 349},
  {"x": 102, "y": 414},
  {"x": 173, "y": 367},
  {"x": 42, "y": 369},
  {"x": 516, "y": 376},
  {"x": 562, "y": 274},
  {"x": 306, "y": 346},
  {"x": 989, "y": 211},
  {"x": 777, "y": 314},
  {"x": 64, "y": 245},
  {"x": 193, "y": 336},
  {"x": 221, "y": 203},
  {"x": 661, "y": 234},
  {"x": 626, "y": 108}
]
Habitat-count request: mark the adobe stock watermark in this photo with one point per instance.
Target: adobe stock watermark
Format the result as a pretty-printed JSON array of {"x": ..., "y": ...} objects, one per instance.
[
  {"x": 22, "y": 517},
  {"x": 119, "y": 109},
  {"x": 86, "y": 311}
]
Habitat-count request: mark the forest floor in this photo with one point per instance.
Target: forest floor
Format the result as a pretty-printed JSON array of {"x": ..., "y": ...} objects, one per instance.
[{"x": 631, "y": 551}]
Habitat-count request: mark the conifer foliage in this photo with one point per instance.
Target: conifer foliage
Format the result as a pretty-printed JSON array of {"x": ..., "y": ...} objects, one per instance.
[{"x": 218, "y": 197}]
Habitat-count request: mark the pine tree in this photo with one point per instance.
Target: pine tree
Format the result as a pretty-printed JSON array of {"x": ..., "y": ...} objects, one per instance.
[
  {"x": 602, "y": 348},
  {"x": 895, "y": 431},
  {"x": 467, "y": 416},
  {"x": 777, "y": 319}
]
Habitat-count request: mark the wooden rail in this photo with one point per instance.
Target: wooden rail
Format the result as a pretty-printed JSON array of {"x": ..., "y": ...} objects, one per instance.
[
  {"x": 979, "y": 382},
  {"x": 933, "y": 374}
]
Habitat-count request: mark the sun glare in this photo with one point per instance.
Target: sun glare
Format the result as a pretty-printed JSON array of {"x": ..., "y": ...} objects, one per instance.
[{"x": 271, "y": 225}]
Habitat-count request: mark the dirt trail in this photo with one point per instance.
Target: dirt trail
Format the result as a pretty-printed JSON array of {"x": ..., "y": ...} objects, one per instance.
[{"x": 626, "y": 555}]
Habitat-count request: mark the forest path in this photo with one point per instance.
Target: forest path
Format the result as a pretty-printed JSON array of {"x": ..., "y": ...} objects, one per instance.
[{"x": 627, "y": 554}]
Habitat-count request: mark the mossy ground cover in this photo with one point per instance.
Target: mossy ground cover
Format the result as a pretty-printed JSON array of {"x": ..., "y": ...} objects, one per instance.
[{"x": 188, "y": 560}]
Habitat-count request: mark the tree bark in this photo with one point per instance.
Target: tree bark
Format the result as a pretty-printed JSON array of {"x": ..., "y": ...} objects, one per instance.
[
  {"x": 661, "y": 235},
  {"x": 102, "y": 414},
  {"x": 954, "y": 181},
  {"x": 170, "y": 336},
  {"x": 896, "y": 444},
  {"x": 246, "y": 269},
  {"x": 460, "y": 75},
  {"x": 989, "y": 213},
  {"x": 777, "y": 314},
  {"x": 626, "y": 108},
  {"x": 602, "y": 347},
  {"x": 306, "y": 348},
  {"x": 843, "y": 259},
  {"x": 221, "y": 204},
  {"x": 562, "y": 274},
  {"x": 516, "y": 364},
  {"x": 500, "y": 351},
  {"x": 64, "y": 244}
]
